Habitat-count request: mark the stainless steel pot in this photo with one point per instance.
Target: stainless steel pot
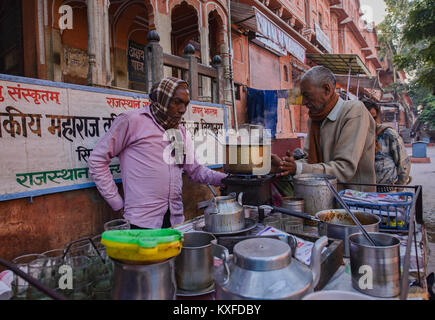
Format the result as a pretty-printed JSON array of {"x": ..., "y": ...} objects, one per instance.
[
  {"x": 194, "y": 265},
  {"x": 224, "y": 214},
  {"x": 337, "y": 224},
  {"x": 144, "y": 282},
  {"x": 262, "y": 268},
  {"x": 314, "y": 190},
  {"x": 375, "y": 270}
]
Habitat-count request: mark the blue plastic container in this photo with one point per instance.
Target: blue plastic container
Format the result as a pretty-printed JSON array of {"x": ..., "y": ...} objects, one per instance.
[{"x": 419, "y": 149}]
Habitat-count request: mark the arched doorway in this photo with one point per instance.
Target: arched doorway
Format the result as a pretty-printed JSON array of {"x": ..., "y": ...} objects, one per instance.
[
  {"x": 185, "y": 29},
  {"x": 74, "y": 59},
  {"x": 130, "y": 21},
  {"x": 216, "y": 34},
  {"x": 11, "y": 38}
]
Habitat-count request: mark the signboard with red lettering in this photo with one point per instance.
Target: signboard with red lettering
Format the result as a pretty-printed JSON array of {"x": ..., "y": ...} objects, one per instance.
[{"x": 48, "y": 130}]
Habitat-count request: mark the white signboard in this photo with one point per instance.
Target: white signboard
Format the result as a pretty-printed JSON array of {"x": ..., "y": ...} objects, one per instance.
[
  {"x": 277, "y": 39},
  {"x": 47, "y": 132},
  {"x": 322, "y": 38}
]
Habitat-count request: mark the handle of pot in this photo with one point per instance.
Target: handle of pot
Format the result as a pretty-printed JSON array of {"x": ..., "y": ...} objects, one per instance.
[
  {"x": 296, "y": 214},
  {"x": 240, "y": 199},
  {"x": 222, "y": 253},
  {"x": 316, "y": 257},
  {"x": 204, "y": 204},
  {"x": 66, "y": 250}
]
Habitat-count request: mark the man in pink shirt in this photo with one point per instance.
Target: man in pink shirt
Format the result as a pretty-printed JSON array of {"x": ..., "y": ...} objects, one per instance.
[{"x": 151, "y": 176}]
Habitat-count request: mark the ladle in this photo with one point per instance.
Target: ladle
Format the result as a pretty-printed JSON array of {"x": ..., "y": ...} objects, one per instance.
[
  {"x": 212, "y": 190},
  {"x": 345, "y": 207}
]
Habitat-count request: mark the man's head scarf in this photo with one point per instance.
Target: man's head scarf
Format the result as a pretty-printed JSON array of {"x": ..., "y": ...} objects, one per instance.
[{"x": 161, "y": 95}]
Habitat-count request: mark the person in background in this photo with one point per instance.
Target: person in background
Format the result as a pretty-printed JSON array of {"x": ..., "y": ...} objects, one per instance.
[
  {"x": 392, "y": 163},
  {"x": 341, "y": 137},
  {"x": 151, "y": 176}
]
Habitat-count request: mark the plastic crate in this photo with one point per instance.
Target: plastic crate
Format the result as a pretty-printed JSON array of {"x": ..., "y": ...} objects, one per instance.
[{"x": 394, "y": 216}]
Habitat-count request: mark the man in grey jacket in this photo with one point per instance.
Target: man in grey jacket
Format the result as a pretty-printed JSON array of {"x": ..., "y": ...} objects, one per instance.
[{"x": 341, "y": 138}]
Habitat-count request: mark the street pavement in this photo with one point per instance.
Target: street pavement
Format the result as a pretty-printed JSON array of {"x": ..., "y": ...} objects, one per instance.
[{"x": 424, "y": 174}]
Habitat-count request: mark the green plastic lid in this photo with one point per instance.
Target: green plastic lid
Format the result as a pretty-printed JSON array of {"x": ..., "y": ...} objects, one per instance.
[{"x": 144, "y": 238}]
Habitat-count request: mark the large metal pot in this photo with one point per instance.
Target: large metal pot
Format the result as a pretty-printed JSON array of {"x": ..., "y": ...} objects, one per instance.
[
  {"x": 224, "y": 214},
  {"x": 337, "y": 224},
  {"x": 194, "y": 265},
  {"x": 248, "y": 151},
  {"x": 375, "y": 270},
  {"x": 314, "y": 190},
  {"x": 144, "y": 282},
  {"x": 262, "y": 268},
  {"x": 247, "y": 159}
]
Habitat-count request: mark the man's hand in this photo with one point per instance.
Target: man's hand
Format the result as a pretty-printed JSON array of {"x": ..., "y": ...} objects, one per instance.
[{"x": 284, "y": 166}]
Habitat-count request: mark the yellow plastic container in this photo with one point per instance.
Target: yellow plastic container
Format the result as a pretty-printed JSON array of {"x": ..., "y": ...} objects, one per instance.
[{"x": 142, "y": 246}]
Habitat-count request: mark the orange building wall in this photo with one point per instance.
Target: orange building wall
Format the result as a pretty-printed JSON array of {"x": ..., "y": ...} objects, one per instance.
[
  {"x": 264, "y": 69},
  {"x": 29, "y": 39},
  {"x": 241, "y": 73},
  {"x": 78, "y": 36}
]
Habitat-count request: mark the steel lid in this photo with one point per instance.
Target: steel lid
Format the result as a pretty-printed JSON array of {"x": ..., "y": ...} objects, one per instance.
[
  {"x": 314, "y": 179},
  {"x": 262, "y": 254}
]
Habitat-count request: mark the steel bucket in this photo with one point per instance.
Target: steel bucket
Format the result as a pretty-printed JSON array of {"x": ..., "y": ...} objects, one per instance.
[
  {"x": 194, "y": 265},
  {"x": 315, "y": 192},
  {"x": 339, "y": 225}
]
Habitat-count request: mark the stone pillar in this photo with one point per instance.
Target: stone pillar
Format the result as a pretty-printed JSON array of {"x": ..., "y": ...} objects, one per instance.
[
  {"x": 98, "y": 42},
  {"x": 154, "y": 59},
  {"x": 57, "y": 55},
  {"x": 163, "y": 26},
  {"x": 220, "y": 81},
  {"x": 92, "y": 16},
  {"x": 205, "y": 57},
  {"x": 189, "y": 53},
  {"x": 106, "y": 31}
]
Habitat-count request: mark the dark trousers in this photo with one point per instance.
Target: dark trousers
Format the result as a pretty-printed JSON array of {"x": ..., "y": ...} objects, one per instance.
[{"x": 166, "y": 222}]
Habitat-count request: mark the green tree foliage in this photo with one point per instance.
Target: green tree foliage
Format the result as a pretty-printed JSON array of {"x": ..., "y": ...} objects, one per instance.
[
  {"x": 391, "y": 28},
  {"x": 419, "y": 36},
  {"x": 428, "y": 114},
  {"x": 407, "y": 38}
]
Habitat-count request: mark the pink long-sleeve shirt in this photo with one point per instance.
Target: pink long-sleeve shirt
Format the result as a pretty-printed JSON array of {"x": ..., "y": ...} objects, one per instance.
[{"x": 150, "y": 184}]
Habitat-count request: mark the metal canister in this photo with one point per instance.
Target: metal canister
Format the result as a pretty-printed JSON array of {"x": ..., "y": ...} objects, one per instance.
[
  {"x": 194, "y": 265},
  {"x": 144, "y": 282},
  {"x": 375, "y": 270},
  {"x": 293, "y": 224},
  {"x": 315, "y": 192}
]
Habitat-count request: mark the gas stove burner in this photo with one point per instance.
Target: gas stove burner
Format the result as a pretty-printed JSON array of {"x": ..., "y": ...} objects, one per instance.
[
  {"x": 244, "y": 176},
  {"x": 256, "y": 189},
  {"x": 248, "y": 176}
]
